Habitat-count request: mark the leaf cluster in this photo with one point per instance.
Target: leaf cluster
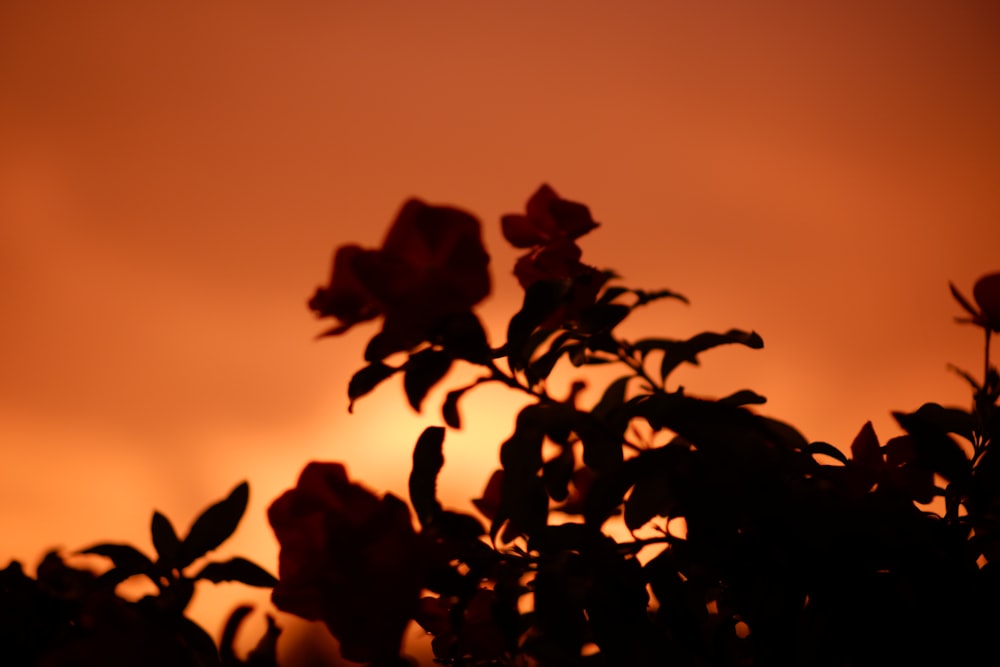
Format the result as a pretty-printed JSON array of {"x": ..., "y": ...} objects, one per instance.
[
  {"x": 792, "y": 552},
  {"x": 68, "y": 615}
]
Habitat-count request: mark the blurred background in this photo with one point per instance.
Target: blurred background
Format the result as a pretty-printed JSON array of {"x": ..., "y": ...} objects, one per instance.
[{"x": 174, "y": 178}]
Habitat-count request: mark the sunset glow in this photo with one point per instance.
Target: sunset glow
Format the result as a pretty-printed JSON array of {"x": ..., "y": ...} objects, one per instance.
[{"x": 173, "y": 183}]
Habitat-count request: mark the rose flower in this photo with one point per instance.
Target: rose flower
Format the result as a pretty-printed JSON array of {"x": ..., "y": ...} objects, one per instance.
[
  {"x": 549, "y": 228},
  {"x": 986, "y": 294},
  {"x": 547, "y": 218},
  {"x": 349, "y": 559},
  {"x": 431, "y": 264}
]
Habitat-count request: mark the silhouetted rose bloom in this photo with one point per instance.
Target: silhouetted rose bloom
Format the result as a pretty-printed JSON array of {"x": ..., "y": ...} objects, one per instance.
[
  {"x": 349, "y": 559},
  {"x": 986, "y": 294},
  {"x": 346, "y": 298},
  {"x": 561, "y": 261},
  {"x": 431, "y": 264},
  {"x": 547, "y": 218},
  {"x": 549, "y": 228}
]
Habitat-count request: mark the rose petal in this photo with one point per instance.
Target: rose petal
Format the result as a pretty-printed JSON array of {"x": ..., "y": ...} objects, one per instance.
[
  {"x": 520, "y": 232},
  {"x": 986, "y": 292},
  {"x": 572, "y": 219},
  {"x": 346, "y": 297},
  {"x": 539, "y": 211},
  {"x": 559, "y": 260}
]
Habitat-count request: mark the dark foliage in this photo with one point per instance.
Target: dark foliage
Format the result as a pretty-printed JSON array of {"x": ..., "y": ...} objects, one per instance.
[
  {"x": 791, "y": 552},
  {"x": 69, "y": 617}
]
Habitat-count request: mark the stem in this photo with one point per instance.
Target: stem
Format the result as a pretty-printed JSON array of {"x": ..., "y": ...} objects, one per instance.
[
  {"x": 979, "y": 432},
  {"x": 986, "y": 358},
  {"x": 511, "y": 381}
]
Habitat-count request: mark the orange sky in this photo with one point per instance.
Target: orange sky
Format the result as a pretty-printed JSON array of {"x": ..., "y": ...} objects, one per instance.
[{"x": 174, "y": 179}]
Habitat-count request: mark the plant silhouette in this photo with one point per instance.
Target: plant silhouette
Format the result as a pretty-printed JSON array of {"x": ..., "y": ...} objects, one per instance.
[
  {"x": 793, "y": 552},
  {"x": 72, "y": 616}
]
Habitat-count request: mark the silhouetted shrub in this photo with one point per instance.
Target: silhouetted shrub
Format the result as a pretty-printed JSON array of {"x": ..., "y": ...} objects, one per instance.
[{"x": 792, "y": 552}]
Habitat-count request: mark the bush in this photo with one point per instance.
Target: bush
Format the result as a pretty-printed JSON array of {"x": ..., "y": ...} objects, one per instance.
[{"x": 791, "y": 552}]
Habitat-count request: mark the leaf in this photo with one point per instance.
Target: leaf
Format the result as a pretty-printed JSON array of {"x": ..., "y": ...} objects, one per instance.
[
  {"x": 449, "y": 410},
  {"x": 534, "y": 342},
  {"x": 165, "y": 539},
  {"x": 463, "y": 337},
  {"x": 603, "y": 342},
  {"x": 966, "y": 375},
  {"x": 649, "y": 297},
  {"x": 603, "y": 317},
  {"x": 214, "y": 525},
  {"x": 540, "y": 368},
  {"x": 610, "y": 410},
  {"x": 237, "y": 569},
  {"x": 660, "y": 477},
  {"x": 523, "y": 500},
  {"x": 612, "y": 398},
  {"x": 265, "y": 653},
  {"x": 946, "y": 420},
  {"x": 541, "y": 299},
  {"x": 227, "y": 649},
  {"x": 427, "y": 462},
  {"x": 366, "y": 379},
  {"x": 423, "y": 370},
  {"x": 647, "y": 345},
  {"x": 489, "y": 503},
  {"x": 687, "y": 351},
  {"x": 934, "y": 448},
  {"x": 866, "y": 452},
  {"x": 828, "y": 450},
  {"x": 127, "y": 559},
  {"x": 962, "y": 301},
  {"x": 711, "y": 425},
  {"x": 611, "y": 293},
  {"x": 743, "y": 397}
]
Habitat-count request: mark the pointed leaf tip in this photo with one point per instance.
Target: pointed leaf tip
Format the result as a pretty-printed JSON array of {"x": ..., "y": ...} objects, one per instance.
[
  {"x": 962, "y": 301},
  {"x": 237, "y": 569},
  {"x": 422, "y": 371},
  {"x": 215, "y": 525},
  {"x": 366, "y": 379},
  {"x": 127, "y": 559},
  {"x": 449, "y": 409},
  {"x": 165, "y": 539}
]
